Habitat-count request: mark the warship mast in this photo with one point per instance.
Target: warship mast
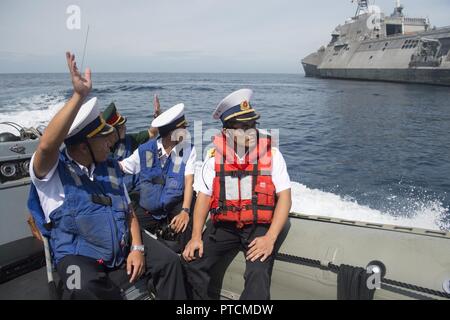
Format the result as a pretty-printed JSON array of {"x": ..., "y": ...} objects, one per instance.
[
  {"x": 398, "y": 10},
  {"x": 363, "y": 6}
]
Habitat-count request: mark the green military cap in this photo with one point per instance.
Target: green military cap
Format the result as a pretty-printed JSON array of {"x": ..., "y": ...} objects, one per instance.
[{"x": 112, "y": 116}]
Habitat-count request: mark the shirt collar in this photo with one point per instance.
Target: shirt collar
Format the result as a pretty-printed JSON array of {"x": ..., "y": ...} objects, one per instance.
[
  {"x": 163, "y": 151},
  {"x": 89, "y": 173}
]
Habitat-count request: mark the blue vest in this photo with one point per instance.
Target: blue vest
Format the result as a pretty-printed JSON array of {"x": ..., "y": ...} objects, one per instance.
[
  {"x": 162, "y": 188},
  {"x": 93, "y": 220},
  {"x": 122, "y": 150}
]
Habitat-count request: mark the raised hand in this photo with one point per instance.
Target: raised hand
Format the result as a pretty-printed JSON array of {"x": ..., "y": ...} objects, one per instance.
[
  {"x": 153, "y": 132},
  {"x": 156, "y": 106},
  {"x": 81, "y": 85}
]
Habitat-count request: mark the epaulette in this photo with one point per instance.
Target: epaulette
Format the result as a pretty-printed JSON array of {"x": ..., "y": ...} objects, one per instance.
[{"x": 211, "y": 152}]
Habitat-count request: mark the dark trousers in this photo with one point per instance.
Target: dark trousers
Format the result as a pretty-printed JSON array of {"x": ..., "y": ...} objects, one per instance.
[
  {"x": 99, "y": 282},
  {"x": 176, "y": 242},
  {"x": 218, "y": 242}
]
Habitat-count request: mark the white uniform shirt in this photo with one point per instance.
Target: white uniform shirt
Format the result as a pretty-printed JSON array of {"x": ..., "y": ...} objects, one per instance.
[
  {"x": 280, "y": 176},
  {"x": 50, "y": 189},
  {"x": 132, "y": 164}
]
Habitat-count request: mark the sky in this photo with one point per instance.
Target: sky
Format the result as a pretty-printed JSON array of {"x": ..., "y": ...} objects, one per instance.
[{"x": 261, "y": 36}]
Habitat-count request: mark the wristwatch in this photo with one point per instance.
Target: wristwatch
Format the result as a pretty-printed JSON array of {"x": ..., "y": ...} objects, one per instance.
[
  {"x": 140, "y": 248},
  {"x": 187, "y": 210}
]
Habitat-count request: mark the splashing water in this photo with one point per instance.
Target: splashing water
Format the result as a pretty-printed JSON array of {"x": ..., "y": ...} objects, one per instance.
[
  {"x": 31, "y": 112},
  {"x": 427, "y": 215}
]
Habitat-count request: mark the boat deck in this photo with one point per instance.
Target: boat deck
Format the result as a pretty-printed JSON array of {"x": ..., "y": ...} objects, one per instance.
[{"x": 30, "y": 286}]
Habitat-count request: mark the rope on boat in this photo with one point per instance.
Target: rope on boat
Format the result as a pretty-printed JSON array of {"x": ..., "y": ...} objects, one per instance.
[{"x": 335, "y": 268}]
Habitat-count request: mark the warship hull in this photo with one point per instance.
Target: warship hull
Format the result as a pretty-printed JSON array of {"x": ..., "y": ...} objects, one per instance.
[
  {"x": 397, "y": 49},
  {"x": 421, "y": 76}
]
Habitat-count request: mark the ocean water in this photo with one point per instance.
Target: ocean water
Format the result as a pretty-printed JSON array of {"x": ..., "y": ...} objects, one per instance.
[{"x": 368, "y": 151}]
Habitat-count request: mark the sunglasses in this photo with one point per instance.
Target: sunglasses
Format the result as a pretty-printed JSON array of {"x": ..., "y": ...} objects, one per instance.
[{"x": 242, "y": 125}]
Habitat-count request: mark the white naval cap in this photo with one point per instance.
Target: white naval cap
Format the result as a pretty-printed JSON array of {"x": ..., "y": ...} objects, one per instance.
[
  {"x": 170, "y": 119},
  {"x": 87, "y": 124},
  {"x": 236, "y": 106}
]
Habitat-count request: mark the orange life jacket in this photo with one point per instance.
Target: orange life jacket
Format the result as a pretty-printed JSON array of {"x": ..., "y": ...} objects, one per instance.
[{"x": 243, "y": 193}]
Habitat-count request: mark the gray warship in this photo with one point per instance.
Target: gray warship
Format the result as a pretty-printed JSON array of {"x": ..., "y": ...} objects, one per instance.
[
  {"x": 318, "y": 257},
  {"x": 378, "y": 47}
]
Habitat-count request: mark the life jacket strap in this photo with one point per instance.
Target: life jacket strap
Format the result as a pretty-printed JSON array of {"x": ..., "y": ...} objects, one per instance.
[
  {"x": 101, "y": 200},
  {"x": 240, "y": 173},
  {"x": 48, "y": 226},
  {"x": 158, "y": 180},
  {"x": 222, "y": 191},
  {"x": 220, "y": 210},
  {"x": 254, "y": 195}
]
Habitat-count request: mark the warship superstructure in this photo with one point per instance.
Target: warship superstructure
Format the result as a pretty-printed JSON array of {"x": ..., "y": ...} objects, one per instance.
[{"x": 375, "y": 46}]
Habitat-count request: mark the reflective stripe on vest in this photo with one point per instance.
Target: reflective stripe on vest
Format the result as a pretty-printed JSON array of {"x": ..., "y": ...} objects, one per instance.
[
  {"x": 75, "y": 176},
  {"x": 122, "y": 150},
  {"x": 114, "y": 180}
]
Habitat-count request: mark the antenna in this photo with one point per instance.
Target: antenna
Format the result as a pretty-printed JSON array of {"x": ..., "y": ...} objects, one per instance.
[
  {"x": 398, "y": 10},
  {"x": 84, "y": 50},
  {"x": 363, "y": 6}
]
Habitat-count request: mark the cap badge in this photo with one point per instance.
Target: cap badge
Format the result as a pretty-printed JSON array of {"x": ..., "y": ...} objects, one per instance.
[{"x": 245, "y": 105}]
